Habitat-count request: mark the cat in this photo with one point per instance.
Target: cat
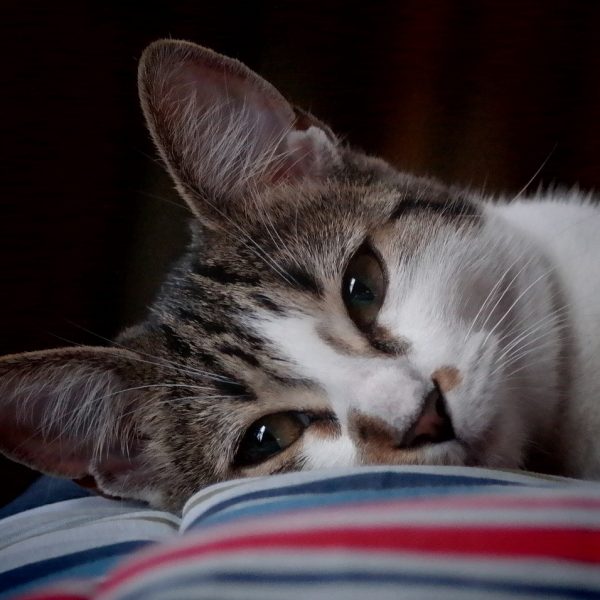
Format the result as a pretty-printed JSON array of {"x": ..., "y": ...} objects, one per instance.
[{"x": 329, "y": 311}]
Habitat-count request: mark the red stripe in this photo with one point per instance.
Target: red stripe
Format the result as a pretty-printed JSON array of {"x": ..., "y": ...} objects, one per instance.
[
  {"x": 497, "y": 501},
  {"x": 500, "y": 542}
]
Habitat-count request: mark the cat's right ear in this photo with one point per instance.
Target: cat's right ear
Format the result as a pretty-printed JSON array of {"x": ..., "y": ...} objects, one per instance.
[{"x": 223, "y": 131}]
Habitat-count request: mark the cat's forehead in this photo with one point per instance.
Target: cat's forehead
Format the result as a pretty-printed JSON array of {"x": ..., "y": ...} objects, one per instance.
[
  {"x": 313, "y": 213},
  {"x": 281, "y": 251},
  {"x": 319, "y": 224}
]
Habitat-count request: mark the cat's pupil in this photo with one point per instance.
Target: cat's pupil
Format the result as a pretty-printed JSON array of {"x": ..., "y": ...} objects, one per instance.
[
  {"x": 270, "y": 435},
  {"x": 259, "y": 443},
  {"x": 264, "y": 437},
  {"x": 359, "y": 293},
  {"x": 363, "y": 287}
]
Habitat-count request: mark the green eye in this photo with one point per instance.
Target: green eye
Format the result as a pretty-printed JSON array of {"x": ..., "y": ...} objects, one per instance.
[
  {"x": 270, "y": 435},
  {"x": 363, "y": 287}
]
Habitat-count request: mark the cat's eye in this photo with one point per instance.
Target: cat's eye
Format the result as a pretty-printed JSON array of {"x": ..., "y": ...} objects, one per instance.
[
  {"x": 270, "y": 435},
  {"x": 363, "y": 287}
]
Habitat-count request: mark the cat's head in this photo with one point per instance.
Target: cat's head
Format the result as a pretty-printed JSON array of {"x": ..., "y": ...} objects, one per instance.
[{"x": 330, "y": 311}]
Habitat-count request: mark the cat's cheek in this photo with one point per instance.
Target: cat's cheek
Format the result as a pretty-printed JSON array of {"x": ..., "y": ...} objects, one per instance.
[
  {"x": 489, "y": 430},
  {"x": 473, "y": 404},
  {"x": 487, "y": 427},
  {"x": 154, "y": 497}
]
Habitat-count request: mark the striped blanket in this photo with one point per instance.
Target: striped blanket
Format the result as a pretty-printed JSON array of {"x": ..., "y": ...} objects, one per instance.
[{"x": 381, "y": 532}]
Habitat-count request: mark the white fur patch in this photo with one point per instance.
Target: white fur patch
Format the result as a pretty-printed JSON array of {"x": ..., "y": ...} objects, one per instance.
[
  {"x": 321, "y": 453},
  {"x": 386, "y": 387}
]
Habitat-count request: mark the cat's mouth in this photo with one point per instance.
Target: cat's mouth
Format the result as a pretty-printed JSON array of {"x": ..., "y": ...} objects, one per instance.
[{"x": 446, "y": 431}]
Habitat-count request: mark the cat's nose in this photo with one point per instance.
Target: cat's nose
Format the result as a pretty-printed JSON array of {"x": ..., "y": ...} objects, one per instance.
[
  {"x": 380, "y": 441},
  {"x": 433, "y": 425}
]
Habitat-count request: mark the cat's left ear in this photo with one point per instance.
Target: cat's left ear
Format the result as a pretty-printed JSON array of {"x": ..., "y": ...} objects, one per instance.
[
  {"x": 77, "y": 413},
  {"x": 223, "y": 131}
]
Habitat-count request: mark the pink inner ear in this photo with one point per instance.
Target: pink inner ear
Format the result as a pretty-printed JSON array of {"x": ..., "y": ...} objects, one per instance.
[
  {"x": 236, "y": 104},
  {"x": 64, "y": 456},
  {"x": 63, "y": 411},
  {"x": 224, "y": 82},
  {"x": 220, "y": 126},
  {"x": 58, "y": 456}
]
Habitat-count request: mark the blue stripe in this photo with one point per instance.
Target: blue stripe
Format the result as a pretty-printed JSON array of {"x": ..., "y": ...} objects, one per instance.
[
  {"x": 278, "y": 505},
  {"x": 195, "y": 582},
  {"x": 386, "y": 480},
  {"x": 43, "y": 491},
  {"x": 54, "y": 568}
]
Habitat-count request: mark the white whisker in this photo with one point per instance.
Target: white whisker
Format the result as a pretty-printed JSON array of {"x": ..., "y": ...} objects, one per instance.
[{"x": 509, "y": 309}]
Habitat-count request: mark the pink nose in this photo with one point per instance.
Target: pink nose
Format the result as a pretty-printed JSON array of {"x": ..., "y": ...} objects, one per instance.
[{"x": 433, "y": 425}]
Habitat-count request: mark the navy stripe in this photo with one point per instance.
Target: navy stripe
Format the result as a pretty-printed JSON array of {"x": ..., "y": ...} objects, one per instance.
[
  {"x": 53, "y": 566},
  {"x": 371, "y": 481},
  {"x": 195, "y": 582}
]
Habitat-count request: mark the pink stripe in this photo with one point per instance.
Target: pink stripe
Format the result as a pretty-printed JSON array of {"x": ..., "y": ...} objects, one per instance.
[{"x": 470, "y": 502}]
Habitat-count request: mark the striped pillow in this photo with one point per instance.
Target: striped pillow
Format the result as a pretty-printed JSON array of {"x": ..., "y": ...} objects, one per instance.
[{"x": 382, "y": 532}]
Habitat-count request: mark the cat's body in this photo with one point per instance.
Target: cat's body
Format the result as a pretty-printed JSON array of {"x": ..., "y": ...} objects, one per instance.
[{"x": 330, "y": 311}]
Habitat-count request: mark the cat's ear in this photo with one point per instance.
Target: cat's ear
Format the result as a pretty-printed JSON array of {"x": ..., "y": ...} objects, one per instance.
[
  {"x": 223, "y": 131},
  {"x": 72, "y": 413}
]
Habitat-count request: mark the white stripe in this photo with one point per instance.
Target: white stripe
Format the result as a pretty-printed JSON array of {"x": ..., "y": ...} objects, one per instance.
[
  {"x": 72, "y": 513},
  {"x": 78, "y": 525}
]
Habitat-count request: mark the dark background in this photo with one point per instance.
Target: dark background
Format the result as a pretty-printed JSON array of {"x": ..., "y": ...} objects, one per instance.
[{"x": 479, "y": 93}]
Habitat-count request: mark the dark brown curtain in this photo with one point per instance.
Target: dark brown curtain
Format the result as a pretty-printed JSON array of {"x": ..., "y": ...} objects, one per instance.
[{"x": 481, "y": 93}]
